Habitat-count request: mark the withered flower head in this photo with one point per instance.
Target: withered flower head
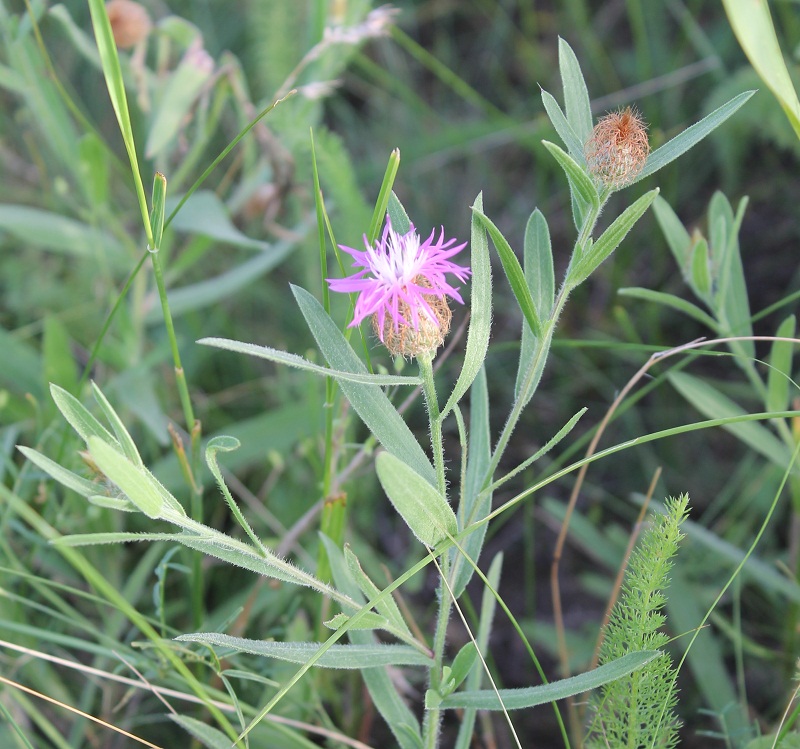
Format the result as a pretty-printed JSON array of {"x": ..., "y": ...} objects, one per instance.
[{"x": 617, "y": 149}]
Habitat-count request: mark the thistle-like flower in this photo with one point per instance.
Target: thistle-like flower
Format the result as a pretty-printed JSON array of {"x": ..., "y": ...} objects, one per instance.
[
  {"x": 402, "y": 286},
  {"x": 617, "y": 149}
]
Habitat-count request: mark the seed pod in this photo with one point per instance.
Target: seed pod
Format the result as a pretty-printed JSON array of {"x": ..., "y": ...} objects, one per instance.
[{"x": 617, "y": 149}]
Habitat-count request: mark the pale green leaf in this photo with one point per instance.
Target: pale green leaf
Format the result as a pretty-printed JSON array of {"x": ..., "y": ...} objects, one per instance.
[
  {"x": 52, "y": 231},
  {"x": 480, "y": 322},
  {"x": 752, "y": 24},
  {"x": 610, "y": 239},
  {"x": 780, "y": 361},
  {"x": 576, "y": 95},
  {"x": 579, "y": 180},
  {"x": 690, "y": 137},
  {"x": 573, "y": 143},
  {"x": 713, "y": 404},
  {"x": 517, "y": 699},
  {"x": 135, "y": 483},
  {"x": 207, "y": 735},
  {"x": 293, "y": 360},
  {"x": 176, "y": 99},
  {"x": 425, "y": 511},
  {"x": 670, "y": 300},
  {"x": 124, "y": 439},
  {"x": 401, "y": 223},
  {"x": 514, "y": 273},
  {"x": 336, "y": 656},
  {"x": 368, "y": 620},
  {"x": 678, "y": 239},
  {"x": 67, "y": 478},
  {"x": 79, "y": 417}
]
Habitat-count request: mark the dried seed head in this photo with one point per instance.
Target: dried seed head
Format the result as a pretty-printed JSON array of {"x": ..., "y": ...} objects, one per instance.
[
  {"x": 130, "y": 22},
  {"x": 403, "y": 339},
  {"x": 617, "y": 149}
]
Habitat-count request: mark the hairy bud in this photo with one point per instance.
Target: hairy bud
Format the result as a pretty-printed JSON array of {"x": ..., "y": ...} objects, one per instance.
[
  {"x": 617, "y": 149},
  {"x": 130, "y": 22}
]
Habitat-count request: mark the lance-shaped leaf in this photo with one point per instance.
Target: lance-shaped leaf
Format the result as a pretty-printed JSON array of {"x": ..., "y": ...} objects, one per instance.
[
  {"x": 578, "y": 179},
  {"x": 610, "y": 239},
  {"x": 517, "y": 699},
  {"x": 576, "y": 94},
  {"x": 136, "y": 484},
  {"x": 336, "y": 656},
  {"x": 480, "y": 321},
  {"x": 681, "y": 143},
  {"x": 425, "y": 511},
  {"x": 293, "y": 360}
]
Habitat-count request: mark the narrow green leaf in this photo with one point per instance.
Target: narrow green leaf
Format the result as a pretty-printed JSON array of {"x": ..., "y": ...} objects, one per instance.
[
  {"x": 79, "y": 417},
  {"x": 124, "y": 439},
  {"x": 681, "y": 143},
  {"x": 780, "y": 373},
  {"x": 462, "y": 664},
  {"x": 205, "y": 214},
  {"x": 121, "y": 537},
  {"x": 159, "y": 209},
  {"x": 713, "y": 404},
  {"x": 67, "y": 478},
  {"x": 573, "y": 143},
  {"x": 538, "y": 260},
  {"x": 401, "y": 223},
  {"x": 368, "y": 620},
  {"x": 480, "y": 322},
  {"x": 55, "y": 232},
  {"x": 517, "y": 699},
  {"x": 579, "y": 180},
  {"x": 513, "y": 272},
  {"x": 701, "y": 268},
  {"x": 177, "y": 98},
  {"x": 474, "y": 506},
  {"x": 293, "y": 360},
  {"x": 208, "y": 736},
  {"x": 384, "y": 194},
  {"x": 670, "y": 300},
  {"x": 369, "y": 401},
  {"x": 134, "y": 482},
  {"x": 425, "y": 511},
  {"x": 211, "y": 291},
  {"x": 752, "y": 24},
  {"x": 610, "y": 239},
  {"x": 678, "y": 239},
  {"x": 576, "y": 95},
  {"x": 336, "y": 656},
  {"x": 387, "y": 608}
]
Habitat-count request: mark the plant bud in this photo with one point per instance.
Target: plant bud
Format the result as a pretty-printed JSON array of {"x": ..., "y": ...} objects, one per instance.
[
  {"x": 617, "y": 149},
  {"x": 130, "y": 22}
]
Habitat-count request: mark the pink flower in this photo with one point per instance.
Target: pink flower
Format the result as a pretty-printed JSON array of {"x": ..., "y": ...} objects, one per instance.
[{"x": 402, "y": 277}]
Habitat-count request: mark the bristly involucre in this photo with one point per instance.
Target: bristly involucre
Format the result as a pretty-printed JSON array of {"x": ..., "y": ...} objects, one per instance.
[
  {"x": 617, "y": 149},
  {"x": 402, "y": 285}
]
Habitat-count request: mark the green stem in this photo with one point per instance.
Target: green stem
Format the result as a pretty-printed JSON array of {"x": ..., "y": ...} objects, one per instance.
[
  {"x": 433, "y": 717},
  {"x": 432, "y": 722},
  {"x": 425, "y": 362}
]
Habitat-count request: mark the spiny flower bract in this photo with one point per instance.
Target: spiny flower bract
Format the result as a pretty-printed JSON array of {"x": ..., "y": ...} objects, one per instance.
[{"x": 402, "y": 284}]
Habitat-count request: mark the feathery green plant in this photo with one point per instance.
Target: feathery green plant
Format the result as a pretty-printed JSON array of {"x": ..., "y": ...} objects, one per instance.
[{"x": 638, "y": 710}]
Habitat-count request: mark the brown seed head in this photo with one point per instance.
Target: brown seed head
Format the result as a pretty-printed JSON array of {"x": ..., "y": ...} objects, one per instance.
[
  {"x": 130, "y": 22},
  {"x": 617, "y": 149},
  {"x": 405, "y": 340}
]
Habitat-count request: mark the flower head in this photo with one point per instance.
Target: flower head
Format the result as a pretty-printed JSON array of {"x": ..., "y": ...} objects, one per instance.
[
  {"x": 617, "y": 149},
  {"x": 402, "y": 285}
]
